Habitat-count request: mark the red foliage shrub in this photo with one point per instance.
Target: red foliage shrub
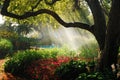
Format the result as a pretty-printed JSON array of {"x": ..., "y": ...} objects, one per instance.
[{"x": 44, "y": 69}]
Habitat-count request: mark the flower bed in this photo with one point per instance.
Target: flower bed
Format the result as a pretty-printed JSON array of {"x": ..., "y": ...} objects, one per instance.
[{"x": 44, "y": 69}]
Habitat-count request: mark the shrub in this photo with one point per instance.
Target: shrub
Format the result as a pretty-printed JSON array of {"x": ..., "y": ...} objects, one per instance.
[
  {"x": 5, "y": 47},
  {"x": 71, "y": 70},
  {"x": 17, "y": 64},
  {"x": 8, "y": 35},
  {"x": 23, "y": 43},
  {"x": 19, "y": 42},
  {"x": 44, "y": 69}
]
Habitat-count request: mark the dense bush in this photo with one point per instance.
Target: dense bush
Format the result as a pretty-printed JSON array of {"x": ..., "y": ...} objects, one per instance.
[
  {"x": 43, "y": 69},
  {"x": 5, "y": 47},
  {"x": 17, "y": 64},
  {"x": 71, "y": 70},
  {"x": 8, "y": 35},
  {"x": 19, "y": 42},
  {"x": 22, "y": 43}
]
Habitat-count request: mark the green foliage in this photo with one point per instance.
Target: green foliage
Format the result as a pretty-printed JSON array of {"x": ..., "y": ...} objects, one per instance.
[
  {"x": 18, "y": 63},
  {"x": 1, "y": 3},
  {"x": 71, "y": 70},
  {"x": 89, "y": 50},
  {"x": 19, "y": 42},
  {"x": 5, "y": 47},
  {"x": 44, "y": 69},
  {"x": 8, "y": 35},
  {"x": 106, "y": 4},
  {"x": 23, "y": 43},
  {"x": 64, "y": 8},
  {"x": 106, "y": 75},
  {"x": 91, "y": 63},
  {"x": 23, "y": 29},
  {"x": 16, "y": 35},
  {"x": 90, "y": 76}
]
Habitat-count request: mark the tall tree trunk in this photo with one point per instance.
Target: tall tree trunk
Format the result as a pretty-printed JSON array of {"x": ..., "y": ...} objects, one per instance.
[
  {"x": 99, "y": 27},
  {"x": 110, "y": 53}
]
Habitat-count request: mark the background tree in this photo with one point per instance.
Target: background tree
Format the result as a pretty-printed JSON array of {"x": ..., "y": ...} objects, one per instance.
[{"x": 105, "y": 26}]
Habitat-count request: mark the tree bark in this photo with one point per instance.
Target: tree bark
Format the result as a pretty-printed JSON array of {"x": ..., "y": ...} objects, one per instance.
[
  {"x": 99, "y": 27},
  {"x": 110, "y": 52}
]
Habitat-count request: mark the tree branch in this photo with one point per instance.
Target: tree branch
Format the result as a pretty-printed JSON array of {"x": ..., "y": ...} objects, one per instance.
[
  {"x": 33, "y": 7},
  {"x": 43, "y": 11}
]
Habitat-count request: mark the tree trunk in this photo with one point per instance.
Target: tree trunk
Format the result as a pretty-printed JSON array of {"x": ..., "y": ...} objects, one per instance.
[
  {"x": 110, "y": 53},
  {"x": 99, "y": 27}
]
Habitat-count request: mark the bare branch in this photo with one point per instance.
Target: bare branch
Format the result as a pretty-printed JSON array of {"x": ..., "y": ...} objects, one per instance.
[{"x": 43, "y": 11}]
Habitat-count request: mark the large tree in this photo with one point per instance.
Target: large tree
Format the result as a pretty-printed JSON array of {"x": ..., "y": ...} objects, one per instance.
[{"x": 105, "y": 30}]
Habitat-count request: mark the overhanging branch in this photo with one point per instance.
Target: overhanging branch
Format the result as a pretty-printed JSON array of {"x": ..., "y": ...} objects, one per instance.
[{"x": 43, "y": 11}]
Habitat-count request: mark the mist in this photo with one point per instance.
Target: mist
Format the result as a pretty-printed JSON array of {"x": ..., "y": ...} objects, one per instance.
[{"x": 73, "y": 38}]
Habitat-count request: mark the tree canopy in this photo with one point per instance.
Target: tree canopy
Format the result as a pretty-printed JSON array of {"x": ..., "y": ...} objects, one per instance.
[{"x": 66, "y": 9}]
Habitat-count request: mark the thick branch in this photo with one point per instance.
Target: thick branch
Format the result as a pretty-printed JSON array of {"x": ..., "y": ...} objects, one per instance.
[{"x": 42, "y": 11}]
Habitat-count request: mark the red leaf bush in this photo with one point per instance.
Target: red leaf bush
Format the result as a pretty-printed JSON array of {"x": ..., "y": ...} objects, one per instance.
[{"x": 43, "y": 69}]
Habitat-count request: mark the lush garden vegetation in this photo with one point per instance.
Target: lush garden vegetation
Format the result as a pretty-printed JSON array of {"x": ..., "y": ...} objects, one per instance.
[
  {"x": 58, "y": 63},
  {"x": 25, "y": 58},
  {"x": 52, "y": 64},
  {"x": 45, "y": 63}
]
